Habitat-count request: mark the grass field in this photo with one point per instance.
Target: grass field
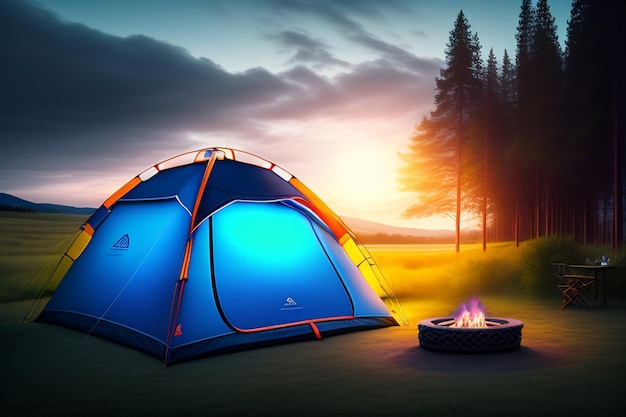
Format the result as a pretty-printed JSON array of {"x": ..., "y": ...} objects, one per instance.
[
  {"x": 571, "y": 361},
  {"x": 437, "y": 271},
  {"x": 30, "y": 242}
]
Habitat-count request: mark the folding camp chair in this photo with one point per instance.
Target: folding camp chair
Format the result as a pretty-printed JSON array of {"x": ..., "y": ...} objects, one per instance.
[{"x": 572, "y": 286}]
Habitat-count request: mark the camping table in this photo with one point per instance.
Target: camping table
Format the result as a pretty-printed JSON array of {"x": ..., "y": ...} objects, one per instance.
[{"x": 596, "y": 269}]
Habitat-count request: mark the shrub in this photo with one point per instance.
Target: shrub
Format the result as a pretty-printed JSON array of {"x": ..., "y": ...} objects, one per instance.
[
  {"x": 537, "y": 257},
  {"x": 492, "y": 273},
  {"x": 450, "y": 275}
]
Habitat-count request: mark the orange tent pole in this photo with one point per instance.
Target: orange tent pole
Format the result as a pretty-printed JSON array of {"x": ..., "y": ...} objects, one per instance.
[{"x": 180, "y": 285}]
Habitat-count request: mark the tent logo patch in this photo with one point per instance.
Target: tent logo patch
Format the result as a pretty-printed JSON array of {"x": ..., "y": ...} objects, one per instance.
[
  {"x": 290, "y": 304},
  {"x": 179, "y": 330},
  {"x": 122, "y": 243}
]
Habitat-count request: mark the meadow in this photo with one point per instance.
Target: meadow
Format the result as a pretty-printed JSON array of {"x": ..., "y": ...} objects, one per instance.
[
  {"x": 570, "y": 363},
  {"x": 30, "y": 244}
]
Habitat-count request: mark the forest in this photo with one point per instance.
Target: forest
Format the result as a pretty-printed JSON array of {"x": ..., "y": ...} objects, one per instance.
[{"x": 531, "y": 145}]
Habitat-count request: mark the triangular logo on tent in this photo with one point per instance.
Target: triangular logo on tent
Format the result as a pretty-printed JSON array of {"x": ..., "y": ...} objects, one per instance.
[
  {"x": 290, "y": 304},
  {"x": 122, "y": 243},
  {"x": 179, "y": 330}
]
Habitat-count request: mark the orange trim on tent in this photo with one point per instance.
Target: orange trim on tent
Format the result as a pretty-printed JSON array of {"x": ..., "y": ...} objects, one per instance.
[
  {"x": 119, "y": 193},
  {"x": 205, "y": 179},
  {"x": 291, "y": 324},
  {"x": 89, "y": 229},
  {"x": 316, "y": 330},
  {"x": 343, "y": 239},
  {"x": 320, "y": 208},
  {"x": 185, "y": 269},
  {"x": 180, "y": 284}
]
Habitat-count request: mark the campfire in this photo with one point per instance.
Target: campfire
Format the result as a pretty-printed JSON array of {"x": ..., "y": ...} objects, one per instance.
[
  {"x": 471, "y": 314},
  {"x": 470, "y": 331}
]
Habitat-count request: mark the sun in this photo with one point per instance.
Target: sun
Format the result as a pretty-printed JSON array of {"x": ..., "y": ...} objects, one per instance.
[{"x": 363, "y": 176}]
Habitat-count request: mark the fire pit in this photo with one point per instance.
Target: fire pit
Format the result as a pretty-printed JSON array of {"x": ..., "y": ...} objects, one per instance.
[{"x": 469, "y": 331}]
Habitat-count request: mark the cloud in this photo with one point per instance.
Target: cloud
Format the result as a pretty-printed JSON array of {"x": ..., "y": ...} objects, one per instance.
[
  {"x": 66, "y": 85},
  {"x": 337, "y": 14},
  {"x": 77, "y": 100},
  {"x": 377, "y": 89},
  {"x": 309, "y": 50}
]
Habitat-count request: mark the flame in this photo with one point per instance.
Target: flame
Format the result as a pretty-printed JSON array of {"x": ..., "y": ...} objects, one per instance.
[{"x": 470, "y": 314}]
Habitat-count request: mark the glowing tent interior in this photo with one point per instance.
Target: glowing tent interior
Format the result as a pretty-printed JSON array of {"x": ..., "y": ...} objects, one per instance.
[{"x": 213, "y": 251}]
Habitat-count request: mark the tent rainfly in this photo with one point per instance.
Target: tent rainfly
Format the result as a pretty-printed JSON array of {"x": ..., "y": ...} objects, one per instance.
[{"x": 213, "y": 251}]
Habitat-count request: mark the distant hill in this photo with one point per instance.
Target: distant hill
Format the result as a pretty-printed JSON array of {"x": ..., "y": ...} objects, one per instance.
[
  {"x": 372, "y": 232},
  {"x": 11, "y": 203}
]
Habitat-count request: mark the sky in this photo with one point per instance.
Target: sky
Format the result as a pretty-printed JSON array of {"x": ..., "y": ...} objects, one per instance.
[{"x": 95, "y": 92}]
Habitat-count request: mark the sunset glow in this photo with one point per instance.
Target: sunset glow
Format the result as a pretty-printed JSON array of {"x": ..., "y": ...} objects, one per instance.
[{"x": 330, "y": 91}]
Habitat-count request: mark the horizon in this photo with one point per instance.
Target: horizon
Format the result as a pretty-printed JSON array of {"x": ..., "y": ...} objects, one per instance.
[{"x": 360, "y": 222}]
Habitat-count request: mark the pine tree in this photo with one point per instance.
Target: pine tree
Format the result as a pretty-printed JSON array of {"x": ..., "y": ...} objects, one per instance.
[
  {"x": 518, "y": 152},
  {"x": 537, "y": 149},
  {"x": 491, "y": 104},
  {"x": 429, "y": 170},
  {"x": 538, "y": 134},
  {"x": 504, "y": 177},
  {"x": 594, "y": 68},
  {"x": 508, "y": 83},
  {"x": 450, "y": 127}
]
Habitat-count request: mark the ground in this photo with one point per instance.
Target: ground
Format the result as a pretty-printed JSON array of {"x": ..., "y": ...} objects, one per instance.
[{"x": 570, "y": 362}]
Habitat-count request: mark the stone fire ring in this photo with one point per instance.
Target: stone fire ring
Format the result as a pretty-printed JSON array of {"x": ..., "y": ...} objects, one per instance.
[{"x": 501, "y": 334}]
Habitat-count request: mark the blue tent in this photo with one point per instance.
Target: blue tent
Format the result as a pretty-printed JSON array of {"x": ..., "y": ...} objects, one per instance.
[{"x": 213, "y": 251}]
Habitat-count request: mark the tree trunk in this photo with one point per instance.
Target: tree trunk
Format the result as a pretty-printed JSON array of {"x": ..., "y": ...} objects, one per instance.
[
  {"x": 618, "y": 213},
  {"x": 459, "y": 140}
]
